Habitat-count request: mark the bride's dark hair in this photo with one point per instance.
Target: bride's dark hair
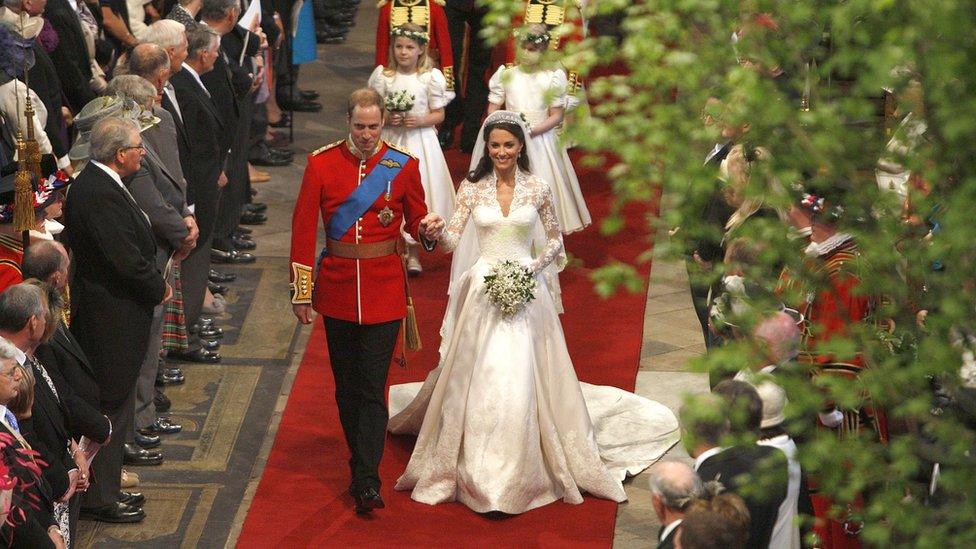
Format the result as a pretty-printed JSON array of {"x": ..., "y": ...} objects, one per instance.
[{"x": 484, "y": 166}]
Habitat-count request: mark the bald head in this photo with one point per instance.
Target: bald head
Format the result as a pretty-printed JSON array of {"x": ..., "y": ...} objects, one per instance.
[
  {"x": 781, "y": 336},
  {"x": 676, "y": 484},
  {"x": 46, "y": 260},
  {"x": 151, "y": 62}
]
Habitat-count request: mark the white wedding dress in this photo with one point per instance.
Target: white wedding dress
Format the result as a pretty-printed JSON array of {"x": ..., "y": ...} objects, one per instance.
[{"x": 503, "y": 422}]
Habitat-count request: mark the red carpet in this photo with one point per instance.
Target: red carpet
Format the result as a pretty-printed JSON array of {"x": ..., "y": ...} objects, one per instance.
[{"x": 301, "y": 500}]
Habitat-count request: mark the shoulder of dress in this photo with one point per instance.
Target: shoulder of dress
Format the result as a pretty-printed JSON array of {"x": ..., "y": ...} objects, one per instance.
[
  {"x": 332, "y": 145},
  {"x": 399, "y": 148}
]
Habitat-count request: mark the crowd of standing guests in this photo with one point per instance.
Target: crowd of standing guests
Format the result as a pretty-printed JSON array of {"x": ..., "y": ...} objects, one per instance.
[{"x": 158, "y": 117}]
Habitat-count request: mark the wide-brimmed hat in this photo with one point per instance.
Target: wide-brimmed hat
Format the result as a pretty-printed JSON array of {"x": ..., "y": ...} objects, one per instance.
[{"x": 103, "y": 107}]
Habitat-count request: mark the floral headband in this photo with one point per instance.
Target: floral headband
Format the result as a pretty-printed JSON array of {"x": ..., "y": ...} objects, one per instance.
[{"x": 418, "y": 36}]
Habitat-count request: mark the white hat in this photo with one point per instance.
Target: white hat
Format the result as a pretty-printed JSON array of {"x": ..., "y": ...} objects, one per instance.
[{"x": 773, "y": 403}]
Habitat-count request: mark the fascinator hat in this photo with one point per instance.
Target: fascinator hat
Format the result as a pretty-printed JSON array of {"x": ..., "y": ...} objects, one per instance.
[{"x": 104, "y": 107}]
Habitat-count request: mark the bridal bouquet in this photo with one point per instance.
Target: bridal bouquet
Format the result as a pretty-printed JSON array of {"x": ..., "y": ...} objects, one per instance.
[
  {"x": 509, "y": 286},
  {"x": 399, "y": 101}
]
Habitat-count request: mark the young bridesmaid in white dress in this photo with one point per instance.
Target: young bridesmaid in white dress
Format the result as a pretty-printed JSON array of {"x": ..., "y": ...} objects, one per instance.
[
  {"x": 411, "y": 71},
  {"x": 539, "y": 94}
]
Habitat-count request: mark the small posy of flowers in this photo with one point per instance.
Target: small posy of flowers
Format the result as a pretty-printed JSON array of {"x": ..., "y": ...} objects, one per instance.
[
  {"x": 399, "y": 101},
  {"x": 509, "y": 286}
]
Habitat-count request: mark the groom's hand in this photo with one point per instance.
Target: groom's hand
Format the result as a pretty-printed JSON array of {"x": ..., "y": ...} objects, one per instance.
[
  {"x": 431, "y": 227},
  {"x": 303, "y": 312}
]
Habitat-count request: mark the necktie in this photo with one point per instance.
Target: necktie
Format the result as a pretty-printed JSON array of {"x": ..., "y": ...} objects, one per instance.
[{"x": 12, "y": 421}]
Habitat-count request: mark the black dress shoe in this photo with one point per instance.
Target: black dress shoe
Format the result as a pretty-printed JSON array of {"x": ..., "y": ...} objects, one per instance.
[
  {"x": 368, "y": 499},
  {"x": 243, "y": 230},
  {"x": 132, "y": 499},
  {"x": 220, "y": 278},
  {"x": 445, "y": 137},
  {"x": 284, "y": 153},
  {"x": 270, "y": 160},
  {"x": 211, "y": 345},
  {"x": 308, "y": 95},
  {"x": 162, "y": 402},
  {"x": 148, "y": 442},
  {"x": 258, "y": 207},
  {"x": 210, "y": 332},
  {"x": 200, "y": 355},
  {"x": 298, "y": 104},
  {"x": 232, "y": 257},
  {"x": 117, "y": 513},
  {"x": 162, "y": 426},
  {"x": 243, "y": 243},
  {"x": 216, "y": 288},
  {"x": 253, "y": 218},
  {"x": 173, "y": 371},
  {"x": 282, "y": 122},
  {"x": 163, "y": 380},
  {"x": 134, "y": 455}
]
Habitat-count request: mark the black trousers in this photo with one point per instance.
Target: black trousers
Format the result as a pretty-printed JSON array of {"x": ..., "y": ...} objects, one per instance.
[
  {"x": 468, "y": 108},
  {"x": 360, "y": 356},
  {"x": 106, "y": 468}
]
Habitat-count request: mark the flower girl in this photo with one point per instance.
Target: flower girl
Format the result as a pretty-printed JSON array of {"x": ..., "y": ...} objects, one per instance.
[
  {"x": 539, "y": 94},
  {"x": 416, "y": 94}
]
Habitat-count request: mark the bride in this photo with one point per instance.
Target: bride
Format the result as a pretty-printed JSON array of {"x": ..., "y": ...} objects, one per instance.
[{"x": 503, "y": 423}]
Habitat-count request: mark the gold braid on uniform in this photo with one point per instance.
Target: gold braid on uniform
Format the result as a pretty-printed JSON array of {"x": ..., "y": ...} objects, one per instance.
[
  {"x": 321, "y": 150},
  {"x": 301, "y": 288}
]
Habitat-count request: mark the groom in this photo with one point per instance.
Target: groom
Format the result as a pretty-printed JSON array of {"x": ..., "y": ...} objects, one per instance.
[{"x": 364, "y": 189}]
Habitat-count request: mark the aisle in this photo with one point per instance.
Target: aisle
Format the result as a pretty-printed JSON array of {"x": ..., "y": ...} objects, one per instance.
[{"x": 301, "y": 500}]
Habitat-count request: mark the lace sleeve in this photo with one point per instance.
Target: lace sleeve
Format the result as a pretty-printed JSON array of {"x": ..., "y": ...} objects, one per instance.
[
  {"x": 554, "y": 236},
  {"x": 462, "y": 210}
]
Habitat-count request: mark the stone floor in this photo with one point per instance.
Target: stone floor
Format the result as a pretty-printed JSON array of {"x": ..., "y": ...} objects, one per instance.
[{"x": 231, "y": 411}]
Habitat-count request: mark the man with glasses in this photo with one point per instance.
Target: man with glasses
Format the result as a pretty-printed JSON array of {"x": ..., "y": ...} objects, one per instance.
[{"x": 115, "y": 287}]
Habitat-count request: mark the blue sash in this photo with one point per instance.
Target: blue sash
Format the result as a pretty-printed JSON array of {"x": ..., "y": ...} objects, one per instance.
[{"x": 361, "y": 199}]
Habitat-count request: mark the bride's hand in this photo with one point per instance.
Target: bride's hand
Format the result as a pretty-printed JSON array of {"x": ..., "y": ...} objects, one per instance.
[{"x": 431, "y": 226}]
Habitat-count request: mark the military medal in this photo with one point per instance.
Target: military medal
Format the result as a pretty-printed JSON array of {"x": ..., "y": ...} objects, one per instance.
[{"x": 386, "y": 214}]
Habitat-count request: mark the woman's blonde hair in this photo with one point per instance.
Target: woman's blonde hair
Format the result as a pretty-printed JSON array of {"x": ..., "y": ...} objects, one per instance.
[
  {"x": 424, "y": 64},
  {"x": 738, "y": 165},
  {"x": 21, "y": 404}
]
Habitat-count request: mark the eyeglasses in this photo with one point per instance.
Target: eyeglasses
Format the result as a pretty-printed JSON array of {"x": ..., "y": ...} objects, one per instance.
[{"x": 140, "y": 146}]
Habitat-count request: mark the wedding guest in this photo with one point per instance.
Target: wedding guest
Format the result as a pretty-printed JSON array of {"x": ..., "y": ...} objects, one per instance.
[
  {"x": 115, "y": 287},
  {"x": 410, "y": 72},
  {"x": 674, "y": 487},
  {"x": 718, "y": 521}
]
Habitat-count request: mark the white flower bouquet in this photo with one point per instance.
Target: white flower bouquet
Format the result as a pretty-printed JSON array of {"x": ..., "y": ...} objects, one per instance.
[
  {"x": 509, "y": 286},
  {"x": 399, "y": 101}
]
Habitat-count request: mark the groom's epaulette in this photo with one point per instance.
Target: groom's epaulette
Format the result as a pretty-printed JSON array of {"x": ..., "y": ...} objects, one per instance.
[
  {"x": 327, "y": 147},
  {"x": 401, "y": 149}
]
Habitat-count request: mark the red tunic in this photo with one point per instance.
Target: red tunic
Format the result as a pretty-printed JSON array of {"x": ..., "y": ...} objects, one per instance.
[
  {"x": 432, "y": 17},
  {"x": 11, "y": 256},
  {"x": 365, "y": 291}
]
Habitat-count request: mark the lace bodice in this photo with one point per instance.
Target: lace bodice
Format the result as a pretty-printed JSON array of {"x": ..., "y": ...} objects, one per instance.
[{"x": 503, "y": 237}]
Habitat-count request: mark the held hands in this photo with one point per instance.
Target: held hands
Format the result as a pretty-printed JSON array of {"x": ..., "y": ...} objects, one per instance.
[{"x": 432, "y": 226}]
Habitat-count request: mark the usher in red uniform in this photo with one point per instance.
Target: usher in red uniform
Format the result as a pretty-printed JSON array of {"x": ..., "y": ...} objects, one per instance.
[
  {"x": 430, "y": 15},
  {"x": 364, "y": 291},
  {"x": 11, "y": 256}
]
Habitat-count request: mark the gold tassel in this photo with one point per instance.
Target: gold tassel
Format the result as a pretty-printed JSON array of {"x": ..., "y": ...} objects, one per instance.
[
  {"x": 23, "y": 201},
  {"x": 411, "y": 333}
]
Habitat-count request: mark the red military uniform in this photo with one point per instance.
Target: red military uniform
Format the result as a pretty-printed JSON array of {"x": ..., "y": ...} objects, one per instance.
[
  {"x": 11, "y": 256},
  {"x": 364, "y": 291},
  {"x": 426, "y": 13}
]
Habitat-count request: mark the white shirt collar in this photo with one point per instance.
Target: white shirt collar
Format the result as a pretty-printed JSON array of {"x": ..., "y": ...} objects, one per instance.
[
  {"x": 111, "y": 173},
  {"x": 707, "y": 454},
  {"x": 668, "y": 529},
  {"x": 196, "y": 77},
  {"x": 20, "y": 356}
]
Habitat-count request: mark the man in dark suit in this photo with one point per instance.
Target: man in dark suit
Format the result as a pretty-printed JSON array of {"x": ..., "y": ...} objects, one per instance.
[
  {"x": 756, "y": 473},
  {"x": 36, "y": 527},
  {"x": 70, "y": 55},
  {"x": 203, "y": 168},
  {"x": 674, "y": 485},
  {"x": 66, "y": 363},
  {"x": 469, "y": 106},
  {"x": 115, "y": 287}
]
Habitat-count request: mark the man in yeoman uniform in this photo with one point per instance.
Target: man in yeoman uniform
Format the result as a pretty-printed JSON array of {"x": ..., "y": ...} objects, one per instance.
[{"x": 364, "y": 190}]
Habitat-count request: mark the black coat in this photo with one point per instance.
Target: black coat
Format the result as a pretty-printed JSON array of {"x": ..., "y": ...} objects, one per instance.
[
  {"x": 47, "y": 432},
  {"x": 742, "y": 469},
  {"x": 75, "y": 381},
  {"x": 116, "y": 284},
  {"x": 70, "y": 57},
  {"x": 182, "y": 141},
  {"x": 206, "y": 157},
  {"x": 46, "y": 84}
]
